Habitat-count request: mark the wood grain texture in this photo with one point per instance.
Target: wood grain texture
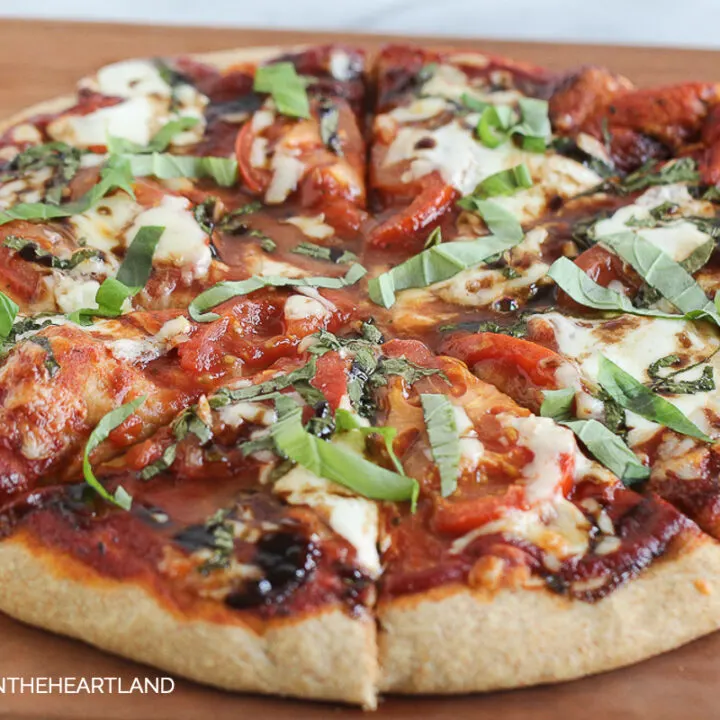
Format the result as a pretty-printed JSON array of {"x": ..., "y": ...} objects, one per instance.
[{"x": 39, "y": 60}]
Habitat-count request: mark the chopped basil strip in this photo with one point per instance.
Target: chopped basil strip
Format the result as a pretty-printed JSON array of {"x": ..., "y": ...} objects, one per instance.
[
  {"x": 227, "y": 290},
  {"x": 8, "y": 313},
  {"x": 499, "y": 122},
  {"x": 606, "y": 447},
  {"x": 166, "y": 167},
  {"x": 106, "y": 425},
  {"x": 501, "y": 222},
  {"x": 162, "y": 464},
  {"x": 409, "y": 371},
  {"x": 346, "y": 421},
  {"x": 435, "y": 264},
  {"x": 115, "y": 175},
  {"x": 319, "y": 252},
  {"x": 334, "y": 462},
  {"x": 661, "y": 272},
  {"x": 683, "y": 170},
  {"x": 223, "y": 542},
  {"x": 585, "y": 291},
  {"x": 189, "y": 423},
  {"x": 505, "y": 182},
  {"x": 137, "y": 264},
  {"x": 495, "y": 125},
  {"x": 634, "y": 396},
  {"x": 444, "y": 439},
  {"x": 109, "y": 297},
  {"x": 225, "y": 396},
  {"x": 285, "y": 86},
  {"x": 609, "y": 450},
  {"x": 158, "y": 143},
  {"x": 670, "y": 384}
]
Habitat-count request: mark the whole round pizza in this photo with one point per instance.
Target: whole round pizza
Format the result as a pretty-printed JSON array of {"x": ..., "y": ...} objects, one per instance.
[{"x": 329, "y": 376}]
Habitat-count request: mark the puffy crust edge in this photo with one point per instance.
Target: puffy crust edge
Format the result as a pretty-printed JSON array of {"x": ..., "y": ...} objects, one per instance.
[
  {"x": 326, "y": 655},
  {"x": 457, "y": 641}
]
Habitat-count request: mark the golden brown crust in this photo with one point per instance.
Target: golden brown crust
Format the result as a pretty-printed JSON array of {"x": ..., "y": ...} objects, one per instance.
[
  {"x": 326, "y": 656},
  {"x": 464, "y": 641}
]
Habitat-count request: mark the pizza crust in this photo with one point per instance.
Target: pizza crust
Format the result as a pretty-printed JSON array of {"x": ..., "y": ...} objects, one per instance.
[
  {"x": 459, "y": 641},
  {"x": 326, "y": 656}
]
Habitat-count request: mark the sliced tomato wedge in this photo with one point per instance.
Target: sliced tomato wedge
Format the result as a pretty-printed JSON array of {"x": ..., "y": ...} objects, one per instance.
[
  {"x": 519, "y": 368},
  {"x": 460, "y": 516},
  {"x": 257, "y": 180},
  {"x": 331, "y": 378},
  {"x": 406, "y": 228}
]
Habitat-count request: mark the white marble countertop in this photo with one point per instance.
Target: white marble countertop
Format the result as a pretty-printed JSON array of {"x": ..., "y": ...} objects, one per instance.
[{"x": 692, "y": 23}]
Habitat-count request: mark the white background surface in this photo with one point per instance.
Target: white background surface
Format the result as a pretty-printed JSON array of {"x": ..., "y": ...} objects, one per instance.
[{"x": 683, "y": 23}]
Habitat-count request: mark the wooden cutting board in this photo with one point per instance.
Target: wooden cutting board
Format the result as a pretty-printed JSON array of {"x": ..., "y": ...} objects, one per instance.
[{"x": 39, "y": 60}]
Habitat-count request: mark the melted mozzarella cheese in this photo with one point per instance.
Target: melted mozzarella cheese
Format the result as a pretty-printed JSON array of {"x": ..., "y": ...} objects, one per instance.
[
  {"x": 131, "y": 78},
  {"x": 236, "y": 414},
  {"x": 102, "y": 226},
  {"x": 30, "y": 188},
  {"x": 471, "y": 448},
  {"x": 343, "y": 66},
  {"x": 135, "y": 119},
  {"x": 558, "y": 528},
  {"x": 548, "y": 442},
  {"x": 420, "y": 109},
  {"x": 677, "y": 238},
  {"x": 183, "y": 242},
  {"x": 301, "y": 307},
  {"x": 354, "y": 518},
  {"x": 136, "y": 350},
  {"x": 287, "y": 173},
  {"x": 313, "y": 227},
  {"x": 450, "y": 82},
  {"x": 71, "y": 294},
  {"x": 634, "y": 344}
]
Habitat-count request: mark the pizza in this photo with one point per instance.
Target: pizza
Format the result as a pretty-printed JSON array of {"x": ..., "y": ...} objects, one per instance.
[{"x": 331, "y": 375}]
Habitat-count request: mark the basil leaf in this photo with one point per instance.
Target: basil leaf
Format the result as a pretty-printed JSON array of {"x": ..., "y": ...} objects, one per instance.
[
  {"x": 634, "y": 396},
  {"x": 660, "y": 271},
  {"x": 585, "y": 291},
  {"x": 32, "y": 252},
  {"x": 444, "y": 439},
  {"x": 609, "y": 450},
  {"x": 109, "y": 297},
  {"x": 319, "y": 252},
  {"x": 158, "y": 143},
  {"x": 50, "y": 363},
  {"x": 8, "y": 313},
  {"x": 409, "y": 371},
  {"x": 505, "y": 182},
  {"x": 166, "y": 166},
  {"x": 606, "y": 447},
  {"x": 189, "y": 423},
  {"x": 473, "y": 104},
  {"x": 557, "y": 404},
  {"x": 285, "y": 86},
  {"x": 224, "y": 396},
  {"x": 501, "y": 222},
  {"x": 227, "y": 290},
  {"x": 346, "y": 421},
  {"x": 137, "y": 264},
  {"x": 106, "y": 425},
  {"x": 163, "y": 463},
  {"x": 494, "y": 125},
  {"x": 335, "y": 462},
  {"x": 435, "y": 264},
  {"x": 534, "y": 125}
]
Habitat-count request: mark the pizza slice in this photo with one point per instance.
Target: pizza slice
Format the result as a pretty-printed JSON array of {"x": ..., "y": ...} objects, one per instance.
[
  {"x": 59, "y": 379},
  {"x": 465, "y": 126},
  {"x": 524, "y": 562}
]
